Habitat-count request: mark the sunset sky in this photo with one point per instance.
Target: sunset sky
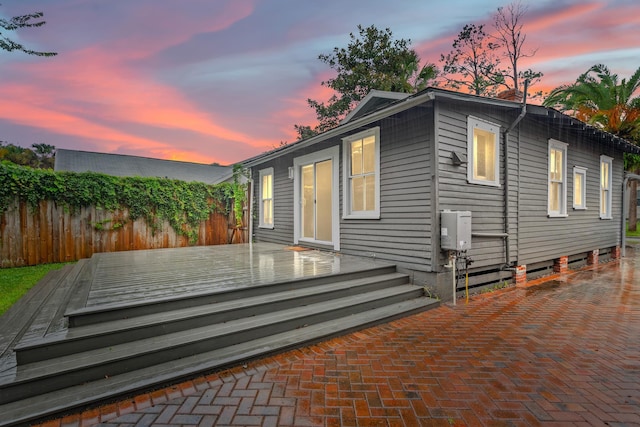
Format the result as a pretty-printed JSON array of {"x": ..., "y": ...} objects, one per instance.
[{"x": 224, "y": 80}]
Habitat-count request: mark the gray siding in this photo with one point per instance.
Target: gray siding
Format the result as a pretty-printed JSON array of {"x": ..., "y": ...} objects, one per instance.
[
  {"x": 534, "y": 237},
  {"x": 486, "y": 203},
  {"x": 402, "y": 234},
  {"x": 282, "y": 231},
  {"x": 416, "y": 147},
  {"x": 543, "y": 238}
]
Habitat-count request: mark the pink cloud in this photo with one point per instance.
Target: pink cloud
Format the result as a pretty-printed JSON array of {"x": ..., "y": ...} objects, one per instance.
[
  {"x": 430, "y": 50},
  {"x": 115, "y": 90},
  {"x": 583, "y": 29},
  {"x": 101, "y": 91},
  {"x": 557, "y": 18},
  {"x": 558, "y": 35},
  {"x": 296, "y": 110},
  {"x": 92, "y": 92},
  {"x": 186, "y": 22},
  {"x": 59, "y": 122}
]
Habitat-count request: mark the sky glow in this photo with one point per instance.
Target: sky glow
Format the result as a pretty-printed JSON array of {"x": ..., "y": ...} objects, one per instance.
[{"x": 224, "y": 80}]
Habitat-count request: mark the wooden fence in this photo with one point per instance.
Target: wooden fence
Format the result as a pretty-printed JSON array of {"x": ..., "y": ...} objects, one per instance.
[{"x": 52, "y": 234}]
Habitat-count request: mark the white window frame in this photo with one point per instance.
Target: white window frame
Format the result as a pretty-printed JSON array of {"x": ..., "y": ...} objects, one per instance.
[
  {"x": 476, "y": 123},
  {"x": 262, "y": 224},
  {"x": 558, "y": 146},
  {"x": 582, "y": 173},
  {"x": 347, "y": 212},
  {"x": 606, "y": 190}
]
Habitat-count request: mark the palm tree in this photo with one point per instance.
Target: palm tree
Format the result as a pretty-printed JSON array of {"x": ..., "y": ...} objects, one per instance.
[
  {"x": 602, "y": 100},
  {"x": 412, "y": 77}
]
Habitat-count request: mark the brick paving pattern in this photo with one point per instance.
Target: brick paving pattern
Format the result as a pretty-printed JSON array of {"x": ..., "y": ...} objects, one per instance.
[{"x": 563, "y": 353}]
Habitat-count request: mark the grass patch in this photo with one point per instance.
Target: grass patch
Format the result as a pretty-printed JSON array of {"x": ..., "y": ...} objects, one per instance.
[
  {"x": 633, "y": 233},
  {"x": 15, "y": 282},
  {"x": 500, "y": 285}
]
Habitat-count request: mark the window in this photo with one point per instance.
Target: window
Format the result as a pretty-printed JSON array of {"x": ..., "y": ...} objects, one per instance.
[
  {"x": 266, "y": 198},
  {"x": 605, "y": 187},
  {"x": 362, "y": 175},
  {"x": 579, "y": 187},
  {"x": 482, "y": 149},
  {"x": 557, "y": 179}
]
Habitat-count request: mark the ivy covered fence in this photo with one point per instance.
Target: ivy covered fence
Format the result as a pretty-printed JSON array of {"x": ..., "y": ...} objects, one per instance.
[{"x": 48, "y": 216}]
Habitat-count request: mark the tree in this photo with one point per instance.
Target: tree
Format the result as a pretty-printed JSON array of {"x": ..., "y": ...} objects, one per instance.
[
  {"x": 472, "y": 64},
  {"x": 482, "y": 63},
  {"x": 632, "y": 164},
  {"x": 371, "y": 60},
  {"x": 16, "y": 154},
  {"x": 608, "y": 103},
  {"x": 42, "y": 156},
  {"x": 602, "y": 100},
  {"x": 304, "y": 131},
  {"x": 22, "y": 21},
  {"x": 507, "y": 22},
  {"x": 45, "y": 155}
]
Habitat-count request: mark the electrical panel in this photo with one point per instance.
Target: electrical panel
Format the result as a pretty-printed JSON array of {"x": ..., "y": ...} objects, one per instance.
[{"x": 455, "y": 230}]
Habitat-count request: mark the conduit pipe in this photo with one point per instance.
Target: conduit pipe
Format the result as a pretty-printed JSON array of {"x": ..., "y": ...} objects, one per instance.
[
  {"x": 454, "y": 276},
  {"x": 507, "y": 211}
]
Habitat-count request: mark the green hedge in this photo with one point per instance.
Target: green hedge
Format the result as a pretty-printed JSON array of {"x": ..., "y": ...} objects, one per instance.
[{"x": 183, "y": 204}]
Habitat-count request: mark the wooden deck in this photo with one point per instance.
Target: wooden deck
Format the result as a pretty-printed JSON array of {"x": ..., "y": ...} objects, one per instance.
[
  {"x": 126, "y": 321},
  {"x": 127, "y": 277},
  {"x": 138, "y": 277}
]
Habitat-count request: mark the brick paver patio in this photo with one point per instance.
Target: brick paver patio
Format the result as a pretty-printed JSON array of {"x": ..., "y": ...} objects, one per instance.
[{"x": 565, "y": 352}]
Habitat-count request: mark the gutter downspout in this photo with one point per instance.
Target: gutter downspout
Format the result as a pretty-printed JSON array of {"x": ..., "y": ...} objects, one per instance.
[
  {"x": 623, "y": 223},
  {"x": 507, "y": 211}
]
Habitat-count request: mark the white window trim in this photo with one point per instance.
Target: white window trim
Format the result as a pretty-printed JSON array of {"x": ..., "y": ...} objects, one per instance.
[
  {"x": 472, "y": 123},
  {"x": 346, "y": 172},
  {"x": 609, "y": 161},
  {"x": 262, "y": 173},
  {"x": 333, "y": 154},
  {"x": 560, "y": 146},
  {"x": 579, "y": 170}
]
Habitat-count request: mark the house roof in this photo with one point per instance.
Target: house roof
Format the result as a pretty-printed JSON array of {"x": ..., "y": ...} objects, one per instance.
[
  {"x": 375, "y": 100},
  {"x": 124, "y": 165},
  {"x": 366, "y": 115}
]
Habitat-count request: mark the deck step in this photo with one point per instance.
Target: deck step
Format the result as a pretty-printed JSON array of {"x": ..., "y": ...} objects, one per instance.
[
  {"x": 84, "y": 348},
  {"x": 50, "y": 317},
  {"x": 55, "y": 373},
  {"x": 46, "y": 403},
  {"x": 94, "y": 336},
  {"x": 14, "y": 323},
  {"x": 106, "y": 313}
]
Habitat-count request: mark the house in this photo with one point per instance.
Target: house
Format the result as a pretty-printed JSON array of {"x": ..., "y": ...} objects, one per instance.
[
  {"x": 536, "y": 189},
  {"x": 124, "y": 165}
]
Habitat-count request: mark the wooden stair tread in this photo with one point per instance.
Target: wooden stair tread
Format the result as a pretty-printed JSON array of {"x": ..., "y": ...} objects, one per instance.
[
  {"x": 108, "y": 312},
  {"x": 123, "y": 325},
  {"x": 20, "y": 314},
  {"x": 50, "y": 316},
  {"x": 68, "y": 364},
  {"x": 87, "y": 345},
  {"x": 53, "y": 402}
]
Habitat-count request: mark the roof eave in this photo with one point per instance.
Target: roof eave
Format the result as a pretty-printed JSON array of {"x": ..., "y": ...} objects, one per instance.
[
  {"x": 391, "y": 96},
  {"x": 404, "y": 104},
  {"x": 430, "y": 94}
]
